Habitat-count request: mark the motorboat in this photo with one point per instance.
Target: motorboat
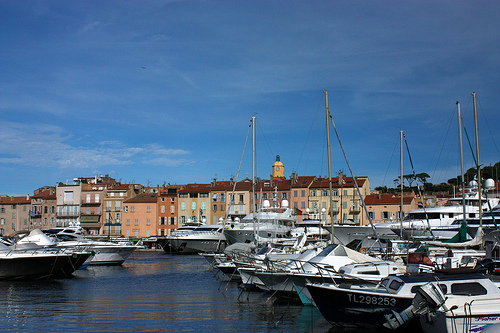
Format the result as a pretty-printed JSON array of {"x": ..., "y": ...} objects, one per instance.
[
  {"x": 438, "y": 222},
  {"x": 36, "y": 264},
  {"x": 268, "y": 222},
  {"x": 206, "y": 238},
  {"x": 365, "y": 304},
  {"x": 105, "y": 252},
  {"x": 314, "y": 229},
  {"x": 354, "y": 273},
  {"x": 490, "y": 221},
  {"x": 472, "y": 305}
]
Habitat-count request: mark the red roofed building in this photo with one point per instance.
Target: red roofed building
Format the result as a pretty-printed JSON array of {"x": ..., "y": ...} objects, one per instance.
[
  {"x": 168, "y": 213},
  {"x": 14, "y": 214},
  {"x": 299, "y": 194},
  {"x": 112, "y": 206},
  {"x": 194, "y": 203},
  {"x": 387, "y": 207},
  {"x": 43, "y": 209},
  {"x": 140, "y": 216},
  {"x": 347, "y": 206}
]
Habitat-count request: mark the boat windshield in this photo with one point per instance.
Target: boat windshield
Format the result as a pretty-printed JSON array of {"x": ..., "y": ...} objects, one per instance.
[
  {"x": 335, "y": 248},
  {"x": 263, "y": 250}
]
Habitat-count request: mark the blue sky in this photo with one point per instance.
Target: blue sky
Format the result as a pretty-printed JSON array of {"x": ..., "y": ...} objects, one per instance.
[{"x": 157, "y": 92}]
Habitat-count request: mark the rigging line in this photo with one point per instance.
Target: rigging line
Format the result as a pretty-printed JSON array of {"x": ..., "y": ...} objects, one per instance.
[
  {"x": 489, "y": 129},
  {"x": 315, "y": 121},
  {"x": 443, "y": 140},
  {"x": 231, "y": 200},
  {"x": 481, "y": 180},
  {"x": 390, "y": 161},
  {"x": 355, "y": 183},
  {"x": 269, "y": 149},
  {"x": 418, "y": 188}
]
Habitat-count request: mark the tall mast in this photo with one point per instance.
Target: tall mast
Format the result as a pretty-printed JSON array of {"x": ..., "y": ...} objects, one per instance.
[
  {"x": 329, "y": 162},
  {"x": 462, "y": 175},
  {"x": 478, "y": 163},
  {"x": 401, "y": 214},
  {"x": 254, "y": 204}
]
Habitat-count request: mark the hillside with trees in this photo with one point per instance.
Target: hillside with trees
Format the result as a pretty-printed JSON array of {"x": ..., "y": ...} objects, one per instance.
[{"x": 411, "y": 181}]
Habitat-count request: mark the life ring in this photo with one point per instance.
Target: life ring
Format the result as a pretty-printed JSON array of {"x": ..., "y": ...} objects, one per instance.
[{"x": 363, "y": 250}]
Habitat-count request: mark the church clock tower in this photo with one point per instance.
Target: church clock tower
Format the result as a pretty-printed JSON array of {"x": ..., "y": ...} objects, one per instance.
[{"x": 278, "y": 169}]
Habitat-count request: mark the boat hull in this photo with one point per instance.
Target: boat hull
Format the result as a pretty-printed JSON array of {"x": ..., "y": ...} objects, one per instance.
[
  {"x": 111, "y": 255},
  {"x": 352, "y": 308},
  {"x": 34, "y": 267},
  {"x": 195, "y": 246}
]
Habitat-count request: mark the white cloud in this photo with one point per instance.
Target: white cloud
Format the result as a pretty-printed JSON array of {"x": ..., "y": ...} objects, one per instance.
[{"x": 45, "y": 146}]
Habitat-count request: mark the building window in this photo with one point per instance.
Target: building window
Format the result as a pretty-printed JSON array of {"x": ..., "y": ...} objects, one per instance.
[
  {"x": 193, "y": 205},
  {"x": 214, "y": 207},
  {"x": 128, "y": 221},
  {"x": 183, "y": 206},
  {"x": 148, "y": 209},
  {"x": 68, "y": 197},
  {"x": 136, "y": 222},
  {"x": 132, "y": 209},
  {"x": 313, "y": 193},
  {"x": 203, "y": 205},
  {"x": 172, "y": 209},
  {"x": 148, "y": 221},
  {"x": 88, "y": 198},
  {"x": 162, "y": 208},
  {"x": 125, "y": 209},
  {"x": 284, "y": 195},
  {"x": 295, "y": 193}
]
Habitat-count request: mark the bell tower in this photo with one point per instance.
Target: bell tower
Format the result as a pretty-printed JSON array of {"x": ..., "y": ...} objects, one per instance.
[{"x": 278, "y": 169}]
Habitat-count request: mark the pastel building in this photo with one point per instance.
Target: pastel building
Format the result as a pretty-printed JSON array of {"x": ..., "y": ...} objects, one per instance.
[{"x": 140, "y": 215}]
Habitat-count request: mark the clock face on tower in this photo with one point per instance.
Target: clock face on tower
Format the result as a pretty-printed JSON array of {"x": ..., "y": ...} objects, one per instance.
[{"x": 278, "y": 168}]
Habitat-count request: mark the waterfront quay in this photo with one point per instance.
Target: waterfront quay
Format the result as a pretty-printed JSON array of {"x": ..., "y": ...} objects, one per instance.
[{"x": 151, "y": 292}]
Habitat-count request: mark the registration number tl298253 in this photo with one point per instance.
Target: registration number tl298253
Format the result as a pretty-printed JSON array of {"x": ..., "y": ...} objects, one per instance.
[{"x": 372, "y": 300}]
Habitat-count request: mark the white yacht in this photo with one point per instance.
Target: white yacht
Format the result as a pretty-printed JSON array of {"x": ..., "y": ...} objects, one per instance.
[
  {"x": 206, "y": 238},
  {"x": 437, "y": 222},
  {"x": 105, "y": 252},
  {"x": 269, "y": 222}
]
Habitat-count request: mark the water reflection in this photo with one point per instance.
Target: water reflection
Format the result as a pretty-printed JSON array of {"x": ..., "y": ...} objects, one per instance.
[{"x": 151, "y": 291}]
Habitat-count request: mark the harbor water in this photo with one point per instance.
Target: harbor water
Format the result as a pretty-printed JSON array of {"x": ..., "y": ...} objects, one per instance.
[{"x": 150, "y": 292}]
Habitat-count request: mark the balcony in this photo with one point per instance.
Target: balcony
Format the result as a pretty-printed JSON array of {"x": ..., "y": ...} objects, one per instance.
[
  {"x": 89, "y": 218},
  {"x": 93, "y": 225},
  {"x": 90, "y": 203}
]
